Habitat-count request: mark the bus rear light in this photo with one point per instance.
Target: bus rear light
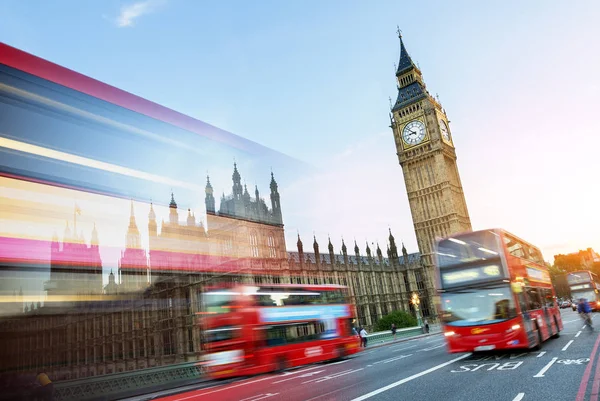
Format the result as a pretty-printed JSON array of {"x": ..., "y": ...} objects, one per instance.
[
  {"x": 516, "y": 327},
  {"x": 449, "y": 333}
]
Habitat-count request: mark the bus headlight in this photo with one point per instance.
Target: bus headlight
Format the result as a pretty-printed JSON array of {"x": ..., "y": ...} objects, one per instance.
[{"x": 516, "y": 327}]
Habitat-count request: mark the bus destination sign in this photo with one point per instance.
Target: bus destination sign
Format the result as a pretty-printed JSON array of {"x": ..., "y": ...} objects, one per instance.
[
  {"x": 577, "y": 278},
  {"x": 472, "y": 274},
  {"x": 538, "y": 275}
]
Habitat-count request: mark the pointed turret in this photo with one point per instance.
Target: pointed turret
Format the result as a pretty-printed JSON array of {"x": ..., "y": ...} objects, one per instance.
[
  {"x": 191, "y": 221},
  {"x": 404, "y": 253},
  {"x": 405, "y": 63},
  {"x": 275, "y": 201},
  {"x": 379, "y": 253},
  {"x": 256, "y": 194},
  {"x": 368, "y": 250},
  {"x": 300, "y": 249},
  {"x": 393, "y": 248},
  {"x": 173, "y": 215},
  {"x": 67, "y": 235},
  {"x": 237, "y": 182},
  {"x": 209, "y": 199},
  {"x": 133, "y": 234},
  {"x": 94, "y": 240},
  {"x": 316, "y": 249},
  {"x": 344, "y": 249},
  {"x": 330, "y": 245},
  {"x": 356, "y": 249},
  {"x": 411, "y": 87},
  {"x": 152, "y": 229}
]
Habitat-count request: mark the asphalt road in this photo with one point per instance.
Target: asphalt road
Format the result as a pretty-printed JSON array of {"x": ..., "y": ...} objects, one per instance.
[{"x": 421, "y": 369}]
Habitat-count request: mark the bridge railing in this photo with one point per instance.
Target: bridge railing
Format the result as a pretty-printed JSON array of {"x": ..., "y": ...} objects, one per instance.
[{"x": 128, "y": 384}]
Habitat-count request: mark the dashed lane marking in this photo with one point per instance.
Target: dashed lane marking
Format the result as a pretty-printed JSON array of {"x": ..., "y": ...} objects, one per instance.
[
  {"x": 519, "y": 397},
  {"x": 545, "y": 368},
  {"x": 567, "y": 346},
  {"x": 541, "y": 354},
  {"x": 578, "y": 333},
  {"x": 415, "y": 376}
]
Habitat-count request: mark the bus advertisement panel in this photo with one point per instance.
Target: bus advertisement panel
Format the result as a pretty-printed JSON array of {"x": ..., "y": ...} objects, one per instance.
[
  {"x": 250, "y": 329},
  {"x": 496, "y": 292}
]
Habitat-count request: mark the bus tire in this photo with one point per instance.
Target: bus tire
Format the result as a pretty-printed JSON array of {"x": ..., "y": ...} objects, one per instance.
[
  {"x": 557, "y": 328},
  {"x": 339, "y": 353},
  {"x": 538, "y": 346},
  {"x": 281, "y": 364}
]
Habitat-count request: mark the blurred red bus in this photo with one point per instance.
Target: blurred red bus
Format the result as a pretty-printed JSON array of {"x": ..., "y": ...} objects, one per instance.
[
  {"x": 496, "y": 292},
  {"x": 585, "y": 284},
  {"x": 257, "y": 329}
]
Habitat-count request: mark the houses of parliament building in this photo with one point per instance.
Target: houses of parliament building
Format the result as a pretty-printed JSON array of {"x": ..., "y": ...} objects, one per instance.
[{"x": 146, "y": 315}]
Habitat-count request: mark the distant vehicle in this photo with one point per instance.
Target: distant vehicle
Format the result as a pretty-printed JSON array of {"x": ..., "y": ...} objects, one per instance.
[
  {"x": 496, "y": 293},
  {"x": 257, "y": 329},
  {"x": 585, "y": 284},
  {"x": 565, "y": 304}
]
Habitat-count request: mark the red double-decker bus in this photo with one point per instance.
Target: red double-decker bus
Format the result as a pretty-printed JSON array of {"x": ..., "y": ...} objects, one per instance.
[
  {"x": 256, "y": 329},
  {"x": 496, "y": 292},
  {"x": 585, "y": 284}
]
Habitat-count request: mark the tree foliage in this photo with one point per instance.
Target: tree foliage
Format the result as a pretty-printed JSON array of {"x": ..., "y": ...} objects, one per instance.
[
  {"x": 400, "y": 318},
  {"x": 568, "y": 263}
]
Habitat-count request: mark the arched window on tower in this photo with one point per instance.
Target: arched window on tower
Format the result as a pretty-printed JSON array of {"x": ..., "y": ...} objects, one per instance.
[{"x": 254, "y": 244}]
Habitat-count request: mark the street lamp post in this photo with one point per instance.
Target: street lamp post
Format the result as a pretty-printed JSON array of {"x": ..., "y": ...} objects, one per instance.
[{"x": 415, "y": 301}]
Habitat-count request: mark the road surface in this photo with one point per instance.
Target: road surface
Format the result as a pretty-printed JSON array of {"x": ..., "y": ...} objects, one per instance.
[{"x": 564, "y": 369}]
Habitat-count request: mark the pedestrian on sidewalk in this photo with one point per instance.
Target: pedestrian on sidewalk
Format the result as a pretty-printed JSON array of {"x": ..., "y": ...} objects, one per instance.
[
  {"x": 394, "y": 330},
  {"x": 426, "y": 323},
  {"x": 363, "y": 337}
]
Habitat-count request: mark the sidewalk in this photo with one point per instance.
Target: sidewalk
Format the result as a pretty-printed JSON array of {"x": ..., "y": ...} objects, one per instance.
[{"x": 434, "y": 329}]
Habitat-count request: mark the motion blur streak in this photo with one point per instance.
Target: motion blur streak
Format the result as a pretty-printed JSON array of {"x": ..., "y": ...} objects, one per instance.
[{"x": 84, "y": 161}]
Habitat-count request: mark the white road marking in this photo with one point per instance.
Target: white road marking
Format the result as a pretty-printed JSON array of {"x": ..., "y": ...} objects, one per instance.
[
  {"x": 545, "y": 368},
  {"x": 567, "y": 346},
  {"x": 541, "y": 353},
  {"x": 296, "y": 377},
  {"x": 336, "y": 376},
  {"x": 432, "y": 348},
  {"x": 295, "y": 372},
  {"x": 333, "y": 374},
  {"x": 583, "y": 327},
  {"x": 337, "y": 363},
  {"x": 519, "y": 397},
  {"x": 260, "y": 397},
  {"x": 397, "y": 358},
  {"x": 578, "y": 333},
  {"x": 195, "y": 396},
  {"x": 391, "y": 359},
  {"x": 398, "y": 346},
  {"x": 415, "y": 376}
]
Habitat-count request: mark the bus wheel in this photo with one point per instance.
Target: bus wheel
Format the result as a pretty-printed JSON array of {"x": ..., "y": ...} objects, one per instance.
[
  {"x": 557, "y": 329},
  {"x": 338, "y": 353},
  {"x": 538, "y": 346},
  {"x": 281, "y": 364}
]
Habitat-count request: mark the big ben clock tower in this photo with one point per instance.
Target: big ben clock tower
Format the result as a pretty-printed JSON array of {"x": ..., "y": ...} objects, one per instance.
[{"x": 426, "y": 153}]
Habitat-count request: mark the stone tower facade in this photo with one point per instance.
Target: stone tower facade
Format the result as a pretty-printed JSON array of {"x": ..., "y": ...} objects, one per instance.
[{"x": 426, "y": 153}]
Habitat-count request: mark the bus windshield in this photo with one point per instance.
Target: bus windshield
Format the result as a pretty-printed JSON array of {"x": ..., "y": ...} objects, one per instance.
[
  {"x": 471, "y": 247},
  {"x": 478, "y": 306}
]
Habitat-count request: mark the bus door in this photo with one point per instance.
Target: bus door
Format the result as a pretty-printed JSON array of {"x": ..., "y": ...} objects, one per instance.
[
  {"x": 527, "y": 320},
  {"x": 547, "y": 304}
]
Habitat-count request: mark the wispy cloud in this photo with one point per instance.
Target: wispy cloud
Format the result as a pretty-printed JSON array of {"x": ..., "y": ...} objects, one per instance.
[{"x": 131, "y": 12}]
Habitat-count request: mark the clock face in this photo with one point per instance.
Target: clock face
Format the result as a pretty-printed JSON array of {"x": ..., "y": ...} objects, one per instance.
[
  {"x": 444, "y": 130},
  {"x": 414, "y": 132}
]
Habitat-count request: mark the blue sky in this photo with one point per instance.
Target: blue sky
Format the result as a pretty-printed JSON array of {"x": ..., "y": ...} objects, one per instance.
[{"x": 312, "y": 79}]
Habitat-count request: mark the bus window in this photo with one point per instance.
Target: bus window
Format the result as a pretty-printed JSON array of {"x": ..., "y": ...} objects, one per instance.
[
  {"x": 534, "y": 299},
  {"x": 515, "y": 247}
]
